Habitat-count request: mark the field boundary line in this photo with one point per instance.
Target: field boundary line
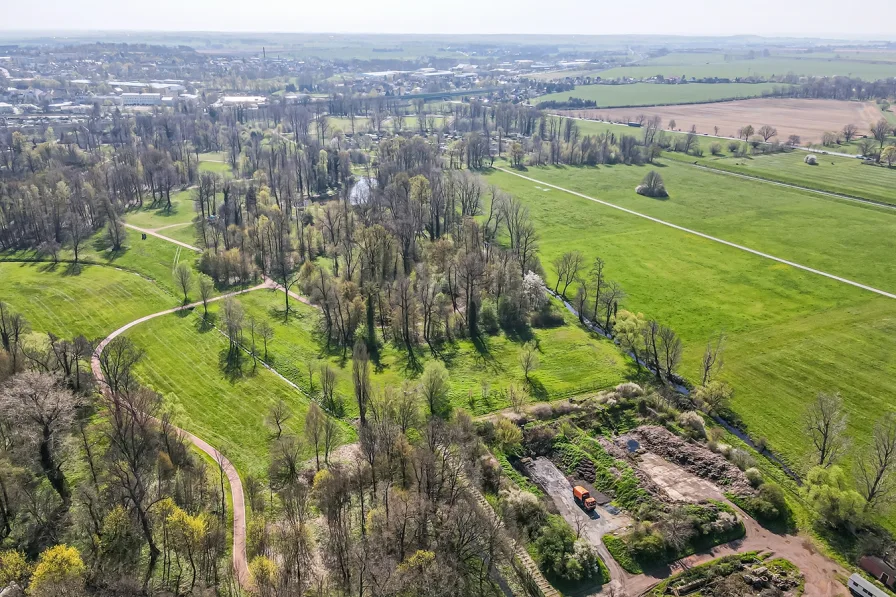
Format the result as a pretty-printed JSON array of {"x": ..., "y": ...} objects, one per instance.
[
  {"x": 709, "y": 237},
  {"x": 779, "y": 183}
]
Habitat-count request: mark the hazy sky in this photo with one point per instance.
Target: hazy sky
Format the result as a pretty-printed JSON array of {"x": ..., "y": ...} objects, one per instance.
[{"x": 683, "y": 17}]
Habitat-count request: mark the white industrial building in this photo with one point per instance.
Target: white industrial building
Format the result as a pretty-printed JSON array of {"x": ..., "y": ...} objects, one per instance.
[{"x": 141, "y": 99}]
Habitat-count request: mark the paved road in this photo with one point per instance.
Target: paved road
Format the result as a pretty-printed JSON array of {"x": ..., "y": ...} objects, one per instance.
[{"x": 708, "y": 237}]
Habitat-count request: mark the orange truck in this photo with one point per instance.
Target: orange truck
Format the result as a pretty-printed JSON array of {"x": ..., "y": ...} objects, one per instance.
[{"x": 584, "y": 498}]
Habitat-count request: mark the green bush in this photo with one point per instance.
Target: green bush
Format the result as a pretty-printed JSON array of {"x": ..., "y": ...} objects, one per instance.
[
  {"x": 619, "y": 550},
  {"x": 562, "y": 556}
]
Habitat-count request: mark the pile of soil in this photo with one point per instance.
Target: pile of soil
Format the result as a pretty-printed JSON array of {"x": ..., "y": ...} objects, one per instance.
[{"x": 694, "y": 458}]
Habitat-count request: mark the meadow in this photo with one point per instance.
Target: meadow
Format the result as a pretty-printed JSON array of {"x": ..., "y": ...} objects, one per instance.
[
  {"x": 183, "y": 362},
  {"x": 833, "y": 174},
  {"x": 572, "y": 360},
  {"x": 649, "y": 94},
  {"x": 92, "y": 300},
  {"x": 156, "y": 217},
  {"x": 790, "y": 333}
]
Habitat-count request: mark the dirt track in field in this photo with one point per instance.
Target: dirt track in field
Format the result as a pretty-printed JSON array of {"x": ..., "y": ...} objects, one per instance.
[{"x": 808, "y": 118}]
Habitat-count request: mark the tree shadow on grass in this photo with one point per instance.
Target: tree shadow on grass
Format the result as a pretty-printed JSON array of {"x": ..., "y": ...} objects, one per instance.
[
  {"x": 73, "y": 269},
  {"x": 47, "y": 268},
  {"x": 537, "y": 389},
  {"x": 482, "y": 345},
  {"x": 206, "y": 323}
]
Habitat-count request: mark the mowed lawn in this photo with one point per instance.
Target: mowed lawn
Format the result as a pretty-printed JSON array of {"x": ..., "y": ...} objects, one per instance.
[
  {"x": 790, "y": 333},
  {"x": 572, "y": 361},
  {"x": 94, "y": 301},
  {"x": 649, "y": 94},
  {"x": 835, "y": 174},
  {"x": 840, "y": 237},
  {"x": 156, "y": 217},
  {"x": 182, "y": 361}
]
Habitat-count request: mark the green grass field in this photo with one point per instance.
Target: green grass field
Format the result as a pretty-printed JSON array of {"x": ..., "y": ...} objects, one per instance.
[
  {"x": 688, "y": 65},
  {"x": 790, "y": 333},
  {"x": 183, "y": 362},
  {"x": 156, "y": 217},
  {"x": 573, "y": 361},
  {"x": 93, "y": 302},
  {"x": 833, "y": 173},
  {"x": 648, "y": 94}
]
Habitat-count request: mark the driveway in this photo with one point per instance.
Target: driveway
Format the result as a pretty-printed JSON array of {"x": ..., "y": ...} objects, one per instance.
[{"x": 589, "y": 526}]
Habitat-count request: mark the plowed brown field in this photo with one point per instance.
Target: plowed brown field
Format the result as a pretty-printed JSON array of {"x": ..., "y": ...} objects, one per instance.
[{"x": 808, "y": 118}]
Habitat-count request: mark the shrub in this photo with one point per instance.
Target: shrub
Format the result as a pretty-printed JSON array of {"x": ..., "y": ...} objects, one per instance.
[
  {"x": 741, "y": 459},
  {"x": 652, "y": 185},
  {"x": 715, "y": 148},
  {"x": 692, "y": 421},
  {"x": 560, "y": 555},
  {"x": 753, "y": 476},
  {"x": 629, "y": 390},
  {"x": 523, "y": 510},
  {"x": 733, "y": 146},
  {"x": 811, "y": 160},
  {"x": 60, "y": 571},
  {"x": 488, "y": 318},
  {"x": 14, "y": 568}
]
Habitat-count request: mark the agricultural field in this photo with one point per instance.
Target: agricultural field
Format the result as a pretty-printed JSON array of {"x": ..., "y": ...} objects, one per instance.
[
  {"x": 182, "y": 361},
  {"x": 808, "y": 118},
  {"x": 572, "y": 361},
  {"x": 700, "y": 66},
  {"x": 650, "y": 94},
  {"x": 93, "y": 301},
  {"x": 790, "y": 333}
]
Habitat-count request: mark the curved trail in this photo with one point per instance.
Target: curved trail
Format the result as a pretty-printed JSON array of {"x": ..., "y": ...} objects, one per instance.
[
  {"x": 240, "y": 560},
  {"x": 716, "y": 239}
]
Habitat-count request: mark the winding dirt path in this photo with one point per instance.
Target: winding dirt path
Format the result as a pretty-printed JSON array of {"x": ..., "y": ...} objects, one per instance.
[{"x": 240, "y": 561}]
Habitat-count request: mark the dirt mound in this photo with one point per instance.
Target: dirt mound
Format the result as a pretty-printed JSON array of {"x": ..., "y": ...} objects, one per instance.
[{"x": 692, "y": 457}]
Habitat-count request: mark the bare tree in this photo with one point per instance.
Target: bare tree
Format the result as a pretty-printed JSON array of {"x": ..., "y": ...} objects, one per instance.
[
  {"x": 767, "y": 131},
  {"x": 206, "y": 289},
  {"x": 825, "y": 423},
  {"x": 874, "y": 466},
  {"x": 183, "y": 275},
  {"x": 361, "y": 379},
  {"x": 567, "y": 266},
  {"x": 712, "y": 358},
  {"x": 849, "y": 132},
  {"x": 278, "y": 415},
  {"x": 266, "y": 333},
  {"x": 314, "y": 430},
  {"x": 881, "y": 132},
  {"x": 516, "y": 397}
]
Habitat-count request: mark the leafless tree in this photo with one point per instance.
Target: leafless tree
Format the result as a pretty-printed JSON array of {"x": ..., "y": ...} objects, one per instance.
[
  {"x": 361, "y": 379},
  {"x": 825, "y": 423},
  {"x": 880, "y": 130},
  {"x": 849, "y": 132},
  {"x": 767, "y": 131},
  {"x": 314, "y": 430},
  {"x": 874, "y": 466},
  {"x": 567, "y": 267},
  {"x": 206, "y": 290},
  {"x": 278, "y": 415},
  {"x": 712, "y": 361}
]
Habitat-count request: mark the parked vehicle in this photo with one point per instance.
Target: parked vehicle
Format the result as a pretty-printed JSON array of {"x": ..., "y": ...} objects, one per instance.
[
  {"x": 862, "y": 588},
  {"x": 584, "y": 498}
]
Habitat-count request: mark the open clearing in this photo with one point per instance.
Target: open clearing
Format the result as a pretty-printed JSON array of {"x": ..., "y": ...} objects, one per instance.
[
  {"x": 92, "y": 302},
  {"x": 572, "y": 361},
  {"x": 790, "y": 334},
  {"x": 808, "y": 118},
  {"x": 649, "y": 94},
  {"x": 182, "y": 361}
]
